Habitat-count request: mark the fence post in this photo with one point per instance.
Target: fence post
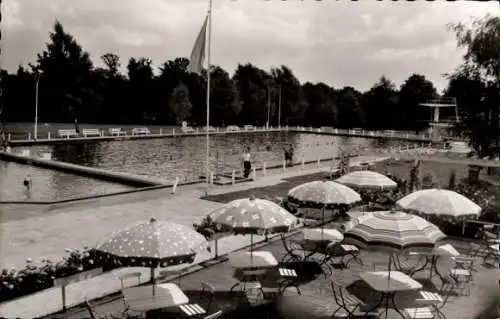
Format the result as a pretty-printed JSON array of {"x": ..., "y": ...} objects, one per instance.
[
  {"x": 233, "y": 177},
  {"x": 284, "y": 166},
  {"x": 48, "y": 135},
  {"x": 264, "y": 170},
  {"x": 29, "y": 135},
  {"x": 161, "y": 131},
  {"x": 174, "y": 188},
  {"x": 254, "y": 173},
  {"x": 319, "y": 161},
  {"x": 211, "y": 178},
  {"x": 173, "y": 132}
]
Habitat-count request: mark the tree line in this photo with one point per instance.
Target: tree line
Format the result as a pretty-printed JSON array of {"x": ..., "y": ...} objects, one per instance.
[{"x": 71, "y": 87}]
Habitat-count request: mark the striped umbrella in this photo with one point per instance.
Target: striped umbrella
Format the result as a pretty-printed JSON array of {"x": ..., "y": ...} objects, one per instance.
[
  {"x": 393, "y": 231},
  {"x": 367, "y": 179},
  {"x": 253, "y": 216},
  {"x": 152, "y": 244},
  {"x": 441, "y": 203}
]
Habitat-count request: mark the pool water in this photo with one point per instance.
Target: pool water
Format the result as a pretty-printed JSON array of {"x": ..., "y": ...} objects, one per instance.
[
  {"x": 185, "y": 157},
  {"x": 49, "y": 185}
]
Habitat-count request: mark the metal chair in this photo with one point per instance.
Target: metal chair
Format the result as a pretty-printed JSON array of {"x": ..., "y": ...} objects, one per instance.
[
  {"x": 207, "y": 291},
  {"x": 345, "y": 301},
  {"x": 130, "y": 275}
]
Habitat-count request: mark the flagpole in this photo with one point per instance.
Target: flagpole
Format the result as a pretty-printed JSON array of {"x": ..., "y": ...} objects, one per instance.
[{"x": 209, "y": 47}]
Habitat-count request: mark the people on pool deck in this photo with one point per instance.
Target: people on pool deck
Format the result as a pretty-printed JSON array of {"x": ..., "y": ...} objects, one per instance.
[
  {"x": 247, "y": 165},
  {"x": 289, "y": 155}
]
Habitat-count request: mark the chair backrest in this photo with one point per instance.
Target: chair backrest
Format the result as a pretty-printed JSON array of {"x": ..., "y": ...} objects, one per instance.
[
  {"x": 215, "y": 315},
  {"x": 338, "y": 295},
  {"x": 207, "y": 287}
]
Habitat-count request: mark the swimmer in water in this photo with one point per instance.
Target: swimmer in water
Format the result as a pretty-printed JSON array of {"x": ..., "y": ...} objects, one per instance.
[{"x": 27, "y": 181}]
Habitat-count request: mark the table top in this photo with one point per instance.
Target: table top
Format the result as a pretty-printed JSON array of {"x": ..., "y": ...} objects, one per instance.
[
  {"x": 325, "y": 234},
  {"x": 446, "y": 250},
  {"x": 166, "y": 295},
  {"x": 258, "y": 259},
  {"x": 397, "y": 281}
]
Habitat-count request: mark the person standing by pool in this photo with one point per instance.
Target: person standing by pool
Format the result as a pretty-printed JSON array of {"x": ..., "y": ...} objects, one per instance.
[
  {"x": 247, "y": 165},
  {"x": 289, "y": 155}
]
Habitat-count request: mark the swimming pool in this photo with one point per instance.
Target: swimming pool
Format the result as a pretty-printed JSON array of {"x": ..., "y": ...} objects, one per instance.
[
  {"x": 49, "y": 185},
  {"x": 184, "y": 157}
]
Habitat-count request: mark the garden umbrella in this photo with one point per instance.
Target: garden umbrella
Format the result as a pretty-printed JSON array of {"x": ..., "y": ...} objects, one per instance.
[
  {"x": 393, "y": 232},
  {"x": 253, "y": 216},
  {"x": 441, "y": 203},
  {"x": 152, "y": 244},
  {"x": 367, "y": 179},
  {"x": 323, "y": 194}
]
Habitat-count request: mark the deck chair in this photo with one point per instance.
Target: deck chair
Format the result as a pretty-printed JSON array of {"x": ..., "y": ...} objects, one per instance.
[{"x": 345, "y": 301}]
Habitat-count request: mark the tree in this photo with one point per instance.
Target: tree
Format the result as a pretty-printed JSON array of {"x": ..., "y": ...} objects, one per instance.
[
  {"x": 66, "y": 70},
  {"x": 224, "y": 98},
  {"x": 322, "y": 107},
  {"x": 415, "y": 90},
  {"x": 252, "y": 84},
  {"x": 479, "y": 74},
  {"x": 180, "y": 106},
  {"x": 351, "y": 112},
  {"x": 381, "y": 105}
]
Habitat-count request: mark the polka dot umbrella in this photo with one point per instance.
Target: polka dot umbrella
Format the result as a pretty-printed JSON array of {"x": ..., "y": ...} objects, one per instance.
[
  {"x": 323, "y": 195},
  {"x": 253, "y": 216},
  {"x": 152, "y": 244},
  {"x": 441, "y": 203}
]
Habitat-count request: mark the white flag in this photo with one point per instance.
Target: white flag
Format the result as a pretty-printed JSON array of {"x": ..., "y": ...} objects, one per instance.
[{"x": 198, "y": 53}]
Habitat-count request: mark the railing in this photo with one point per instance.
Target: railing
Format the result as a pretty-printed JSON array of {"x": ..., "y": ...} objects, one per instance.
[
  {"x": 442, "y": 101},
  {"x": 160, "y": 132}
]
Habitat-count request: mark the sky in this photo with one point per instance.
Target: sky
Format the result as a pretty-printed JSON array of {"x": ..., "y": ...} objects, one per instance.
[{"x": 341, "y": 43}]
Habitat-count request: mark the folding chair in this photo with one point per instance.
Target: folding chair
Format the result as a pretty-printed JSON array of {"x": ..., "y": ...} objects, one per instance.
[
  {"x": 345, "y": 301},
  {"x": 208, "y": 292},
  {"x": 288, "y": 278}
]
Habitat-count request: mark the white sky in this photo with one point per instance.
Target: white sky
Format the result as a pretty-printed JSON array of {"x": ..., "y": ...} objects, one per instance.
[{"x": 337, "y": 42}]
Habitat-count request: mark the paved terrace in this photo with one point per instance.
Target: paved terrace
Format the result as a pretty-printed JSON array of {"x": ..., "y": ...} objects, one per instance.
[
  {"x": 36, "y": 233},
  {"x": 317, "y": 300}
]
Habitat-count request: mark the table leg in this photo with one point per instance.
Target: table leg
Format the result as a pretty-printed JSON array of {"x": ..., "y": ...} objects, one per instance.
[
  {"x": 378, "y": 304},
  {"x": 393, "y": 296}
]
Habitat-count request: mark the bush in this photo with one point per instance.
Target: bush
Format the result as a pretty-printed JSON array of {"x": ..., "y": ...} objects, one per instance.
[{"x": 32, "y": 278}]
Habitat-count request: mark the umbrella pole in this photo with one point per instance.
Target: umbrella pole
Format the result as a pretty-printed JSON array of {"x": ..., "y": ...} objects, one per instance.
[
  {"x": 251, "y": 249},
  {"x": 153, "y": 279},
  {"x": 323, "y": 222}
]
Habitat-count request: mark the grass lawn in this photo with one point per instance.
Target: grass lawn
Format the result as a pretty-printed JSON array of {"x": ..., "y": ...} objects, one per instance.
[
  {"x": 280, "y": 189},
  {"x": 400, "y": 169}
]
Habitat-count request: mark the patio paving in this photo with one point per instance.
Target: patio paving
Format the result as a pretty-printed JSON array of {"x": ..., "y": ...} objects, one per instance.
[
  {"x": 47, "y": 234},
  {"x": 317, "y": 300}
]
